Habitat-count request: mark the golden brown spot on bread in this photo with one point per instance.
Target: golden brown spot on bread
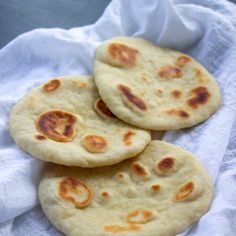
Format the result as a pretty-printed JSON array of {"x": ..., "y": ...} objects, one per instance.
[
  {"x": 184, "y": 191},
  {"x": 52, "y": 85},
  {"x": 199, "y": 76},
  {"x": 198, "y": 72},
  {"x": 40, "y": 137},
  {"x": 83, "y": 85},
  {"x": 155, "y": 187},
  {"x": 101, "y": 107},
  {"x": 166, "y": 164},
  {"x": 139, "y": 169},
  {"x": 176, "y": 93},
  {"x": 127, "y": 137},
  {"x": 125, "y": 55},
  {"x": 183, "y": 60},
  {"x": 200, "y": 96},
  {"x": 170, "y": 72},
  {"x": 75, "y": 191},
  {"x": 131, "y": 98},
  {"x": 122, "y": 229},
  {"x": 57, "y": 125},
  {"x": 177, "y": 112},
  {"x": 94, "y": 143},
  {"x": 105, "y": 194},
  {"x": 140, "y": 216},
  {"x": 128, "y": 143}
]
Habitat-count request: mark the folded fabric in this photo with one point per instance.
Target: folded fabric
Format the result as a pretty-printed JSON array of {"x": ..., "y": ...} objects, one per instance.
[{"x": 204, "y": 29}]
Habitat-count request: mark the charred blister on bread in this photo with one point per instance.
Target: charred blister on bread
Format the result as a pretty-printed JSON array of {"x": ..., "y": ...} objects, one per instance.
[
  {"x": 200, "y": 96},
  {"x": 140, "y": 171},
  {"x": 102, "y": 109},
  {"x": 40, "y": 137},
  {"x": 140, "y": 216},
  {"x": 155, "y": 188},
  {"x": 74, "y": 191},
  {"x": 183, "y": 60},
  {"x": 94, "y": 143},
  {"x": 166, "y": 166},
  {"x": 176, "y": 93},
  {"x": 57, "y": 125},
  {"x": 130, "y": 99},
  {"x": 127, "y": 137},
  {"x": 122, "y": 54},
  {"x": 189, "y": 190},
  {"x": 170, "y": 72},
  {"x": 105, "y": 194},
  {"x": 184, "y": 191},
  {"x": 178, "y": 113},
  {"x": 51, "y": 85}
]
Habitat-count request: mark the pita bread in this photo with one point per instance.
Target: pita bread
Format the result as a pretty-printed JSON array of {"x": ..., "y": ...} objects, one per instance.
[
  {"x": 64, "y": 121},
  {"x": 152, "y": 87},
  {"x": 160, "y": 192}
]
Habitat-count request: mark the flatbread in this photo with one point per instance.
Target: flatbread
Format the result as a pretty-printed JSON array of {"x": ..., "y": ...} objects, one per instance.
[
  {"x": 160, "y": 192},
  {"x": 64, "y": 121},
  {"x": 152, "y": 87}
]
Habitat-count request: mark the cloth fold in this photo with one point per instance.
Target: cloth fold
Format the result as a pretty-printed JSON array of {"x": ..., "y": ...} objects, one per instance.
[{"x": 204, "y": 29}]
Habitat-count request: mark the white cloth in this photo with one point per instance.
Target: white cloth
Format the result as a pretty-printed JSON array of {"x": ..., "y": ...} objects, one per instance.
[{"x": 205, "y": 29}]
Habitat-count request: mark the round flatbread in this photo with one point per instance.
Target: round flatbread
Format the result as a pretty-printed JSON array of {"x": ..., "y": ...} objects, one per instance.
[
  {"x": 152, "y": 87},
  {"x": 64, "y": 121},
  {"x": 162, "y": 191}
]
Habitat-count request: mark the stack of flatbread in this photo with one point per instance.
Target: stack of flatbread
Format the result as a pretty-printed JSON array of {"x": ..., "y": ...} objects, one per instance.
[{"x": 106, "y": 176}]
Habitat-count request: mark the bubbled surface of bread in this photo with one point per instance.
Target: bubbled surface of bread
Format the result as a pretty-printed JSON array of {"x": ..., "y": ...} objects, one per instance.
[
  {"x": 152, "y": 87},
  {"x": 161, "y": 192},
  {"x": 62, "y": 122}
]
